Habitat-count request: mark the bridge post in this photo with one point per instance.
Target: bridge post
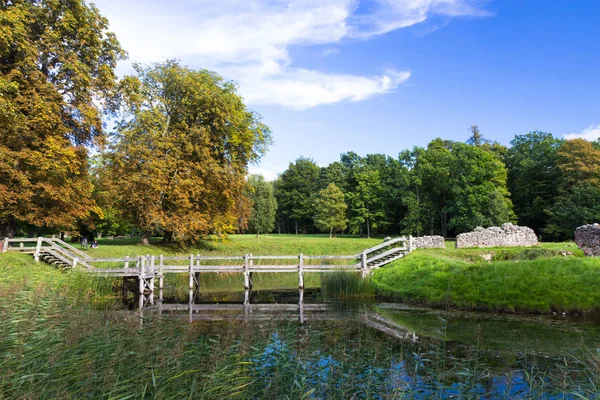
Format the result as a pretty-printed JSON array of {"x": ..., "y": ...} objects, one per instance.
[
  {"x": 5, "y": 246},
  {"x": 246, "y": 272},
  {"x": 38, "y": 248},
  {"x": 191, "y": 272},
  {"x": 126, "y": 263},
  {"x": 152, "y": 265},
  {"x": 363, "y": 265},
  {"x": 301, "y": 271},
  {"x": 250, "y": 264},
  {"x": 75, "y": 262},
  {"x": 142, "y": 262},
  {"x": 161, "y": 279},
  {"x": 410, "y": 243}
]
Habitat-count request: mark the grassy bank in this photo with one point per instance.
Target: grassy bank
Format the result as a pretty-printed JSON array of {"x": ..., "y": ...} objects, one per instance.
[{"x": 536, "y": 280}]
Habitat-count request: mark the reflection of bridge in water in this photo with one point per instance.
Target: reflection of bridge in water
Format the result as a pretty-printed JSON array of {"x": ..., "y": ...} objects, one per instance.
[{"x": 246, "y": 311}]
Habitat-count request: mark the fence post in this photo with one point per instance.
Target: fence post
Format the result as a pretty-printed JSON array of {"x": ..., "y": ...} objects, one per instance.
[
  {"x": 191, "y": 272},
  {"x": 363, "y": 264},
  {"x": 410, "y": 244},
  {"x": 301, "y": 271},
  {"x": 250, "y": 264},
  {"x": 152, "y": 265},
  {"x": 142, "y": 262},
  {"x": 5, "y": 246},
  {"x": 126, "y": 263},
  {"x": 38, "y": 248},
  {"x": 75, "y": 259},
  {"x": 161, "y": 278},
  {"x": 246, "y": 272}
]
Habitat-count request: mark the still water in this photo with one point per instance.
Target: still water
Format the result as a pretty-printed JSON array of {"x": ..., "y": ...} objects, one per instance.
[{"x": 304, "y": 344}]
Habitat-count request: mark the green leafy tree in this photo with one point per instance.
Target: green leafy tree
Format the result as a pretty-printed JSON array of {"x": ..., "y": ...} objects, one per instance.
[
  {"x": 330, "y": 210},
  {"x": 57, "y": 62},
  {"x": 366, "y": 201},
  {"x": 533, "y": 177},
  {"x": 480, "y": 195},
  {"x": 295, "y": 190},
  {"x": 264, "y": 205},
  {"x": 181, "y": 151},
  {"x": 579, "y": 189}
]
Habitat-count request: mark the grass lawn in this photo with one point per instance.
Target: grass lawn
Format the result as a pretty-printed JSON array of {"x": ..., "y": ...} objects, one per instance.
[
  {"x": 240, "y": 245},
  {"x": 538, "y": 280}
]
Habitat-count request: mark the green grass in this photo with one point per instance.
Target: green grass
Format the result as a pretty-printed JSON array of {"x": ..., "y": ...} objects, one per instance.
[
  {"x": 240, "y": 245},
  {"x": 537, "y": 280}
]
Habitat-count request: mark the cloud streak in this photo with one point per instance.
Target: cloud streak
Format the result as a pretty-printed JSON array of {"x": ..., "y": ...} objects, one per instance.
[{"x": 249, "y": 41}]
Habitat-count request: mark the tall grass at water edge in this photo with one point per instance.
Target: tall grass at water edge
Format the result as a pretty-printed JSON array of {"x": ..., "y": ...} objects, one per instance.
[{"x": 345, "y": 285}]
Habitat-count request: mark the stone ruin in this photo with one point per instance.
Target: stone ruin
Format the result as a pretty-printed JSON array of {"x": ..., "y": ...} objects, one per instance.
[
  {"x": 508, "y": 235},
  {"x": 428, "y": 242},
  {"x": 587, "y": 237}
]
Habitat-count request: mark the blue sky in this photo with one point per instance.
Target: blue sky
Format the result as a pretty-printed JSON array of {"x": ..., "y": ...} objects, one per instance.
[{"x": 380, "y": 76}]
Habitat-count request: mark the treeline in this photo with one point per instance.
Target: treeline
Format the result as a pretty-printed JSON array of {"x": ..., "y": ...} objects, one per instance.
[{"x": 549, "y": 184}]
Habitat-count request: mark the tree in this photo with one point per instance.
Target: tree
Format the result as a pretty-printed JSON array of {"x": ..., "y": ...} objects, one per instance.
[
  {"x": 181, "y": 151},
  {"x": 57, "y": 63},
  {"x": 476, "y": 138},
  {"x": 533, "y": 177},
  {"x": 264, "y": 205},
  {"x": 295, "y": 192},
  {"x": 578, "y": 189},
  {"x": 366, "y": 201},
  {"x": 330, "y": 210},
  {"x": 480, "y": 196}
]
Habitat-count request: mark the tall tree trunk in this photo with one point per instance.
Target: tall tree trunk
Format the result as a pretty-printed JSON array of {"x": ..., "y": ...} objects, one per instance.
[
  {"x": 8, "y": 229},
  {"x": 168, "y": 237},
  {"x": 368, "y": 229},
  {"x": 330, "y": 233},
  {"x": 296, "y": 226}
]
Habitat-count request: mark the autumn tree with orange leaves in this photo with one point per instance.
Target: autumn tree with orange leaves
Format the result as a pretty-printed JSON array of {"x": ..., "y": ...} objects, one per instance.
[
  {"x": 57, "y": 61},
  {"x": 181, "y": 151}
]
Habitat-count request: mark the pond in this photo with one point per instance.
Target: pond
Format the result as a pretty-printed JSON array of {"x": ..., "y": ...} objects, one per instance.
[
  {"x": 277, "y": 344},
  {"x": 307, "y": 344}
]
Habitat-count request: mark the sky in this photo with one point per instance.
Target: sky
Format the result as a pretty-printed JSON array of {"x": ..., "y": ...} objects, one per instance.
[{"x": 381, "y": 76}]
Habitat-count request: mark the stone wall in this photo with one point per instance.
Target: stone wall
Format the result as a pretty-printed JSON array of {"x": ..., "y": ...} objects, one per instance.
[
  {"x": 508, "y": 235},
  {"x": 428, "y": 242},
  {"x": 587, "y": 238}
]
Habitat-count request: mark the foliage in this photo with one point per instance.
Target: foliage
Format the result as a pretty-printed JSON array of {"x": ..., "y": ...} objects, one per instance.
[
  {"x": 294, "y": 192},
  {"x": 330, "y": 210},
  {"x": 577, "y": 202},
  {"x": 180, "y": 154},
  {"x": 532, "y": 177},
  {"x": 57, "y": 61},
  {"x": 480, "y": 197},
  {"x": 264, "y": 205},
  {"x": 366, "y": 200}
]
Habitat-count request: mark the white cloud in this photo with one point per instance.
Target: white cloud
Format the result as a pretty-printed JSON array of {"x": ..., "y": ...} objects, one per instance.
[
  {"x": 249, "y": 40},
  {"x": 267, "y": 173},
  {"x": 591, "y": 133}
]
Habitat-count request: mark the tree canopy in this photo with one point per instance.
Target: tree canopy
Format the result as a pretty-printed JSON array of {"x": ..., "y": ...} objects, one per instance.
[
  {"x": 264, "y": 205},
  {"x": 330, "y": 210},
  {"x": 57, "y": 62},
  {"x": 181, "y": 151}
]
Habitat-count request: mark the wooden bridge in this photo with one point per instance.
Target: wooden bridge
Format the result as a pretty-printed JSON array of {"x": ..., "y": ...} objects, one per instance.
[{"x": 146, "y": 268}]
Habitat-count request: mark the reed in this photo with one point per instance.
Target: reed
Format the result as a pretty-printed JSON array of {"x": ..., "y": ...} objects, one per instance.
[{"x": 345, "y": 284}]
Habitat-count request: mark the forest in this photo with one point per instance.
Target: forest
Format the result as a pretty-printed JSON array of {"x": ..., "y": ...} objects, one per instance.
[
  {"x": 174, "y": 162},
  {"x": 540, "y": 181}
]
